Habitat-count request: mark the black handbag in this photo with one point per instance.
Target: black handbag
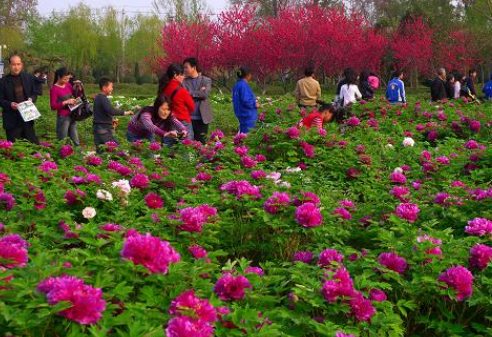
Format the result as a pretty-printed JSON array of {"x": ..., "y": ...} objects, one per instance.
[{"x": 82, "y": 112}]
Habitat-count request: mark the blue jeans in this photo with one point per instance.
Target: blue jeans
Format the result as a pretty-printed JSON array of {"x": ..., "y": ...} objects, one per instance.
[
  {"x": 66, "y": 127},
  {"x": 189, "y": 129},
  {"x": 246, "y": 124},
  {"x": 131, "y": 137}
]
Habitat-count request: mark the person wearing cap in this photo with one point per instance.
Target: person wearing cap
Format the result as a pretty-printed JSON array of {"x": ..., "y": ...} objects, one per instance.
[{"x": 244, "y": 101}]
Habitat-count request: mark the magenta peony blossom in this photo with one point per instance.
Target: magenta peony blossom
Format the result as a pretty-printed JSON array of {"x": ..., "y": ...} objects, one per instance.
[
  {"x": 217, "y": 135},
  {"x": 230, "y": 288},
  {"x": 393, "y": 261},
  {"x": 184, "y": 326},
  {"x": 460, "y": 279},
  {"x": 278, "y": 201},
  {"x": 150, "y": 252},
  {"x": 7, "y": 201},
  {"x": 341, "y": 334},
  {"x": 66, "y": 151},
  {"x": 308, "y": 149},
  {"x": 241, "y": 188},
  {"x": 6, "y": 145},
  {"x": 193, "y": 218},
  {"x": 258, "y": 174},
  {"x": 187, "y": 304},
  {"x": 241, "y": 151},
  {"x": 255, "y": 270},
  {"x": 340, "y": 285},
  {"x": 94, "y": 161},
  {"x": 86, "y": 301},
  {"x": 198, "y": 252},
  {"x": 304, "y": 256},
  {"x": 204, "y": 176},
  {"x": 407, "y": 211},
  {"x": 400, "y": 191},
  {"x": 155, "y": 146},
  {"x": 480, "y": 256},
  {"x": 436, "y": 250},
  {"x": 377, "y": 295},
  {"x": 328, "y": 256},
  {"x": 293, "y": 133},
  {"x": 153, "y": 201},
  {"x": 140, "y": 181},
  {"x": 238, "y": 139},
  {"x": 471, "y": 144},
  {"x": 398, "y": 178},
  {"x": 13, "y": 251},
  {"x": 73, "y": 198},
  {"x": 248, "y": 162},
  {"x": 307, "y": 197},
  {"x": 308, "y": 215},
  {"x": 361, "y": 308},
  {"x": 353, "y": 121},
  {"x": 343, "y": 213},
  {"x": 479, "y": 227},
  {"x": 111, "y": 227}
]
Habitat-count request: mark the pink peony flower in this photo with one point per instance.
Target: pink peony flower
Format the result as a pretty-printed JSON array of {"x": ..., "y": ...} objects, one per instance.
[
  {"x": 13, "y": 251},
  {"x": 198, "y": 252},
  {"x": 398, "y": 178},
  {"x": 230, "y": 288},
  {"x": 241, "y": 151},
  {"x": 94, "y": 161},
  {"x": 293, "y": 133},
  {"x": 155, "y": 147},
  {"x": 111, "y": 227},
  {"x": 308, "y": 215},
  {"x": 328, "y": 256},
  {"x": 73, "y": 198},
  {"x": 304, "y": 256},
  {"x": 217, "y": 135},
  {"x": 393, "y": 261},
  {"x": 479, "y": 227},
  {"x": 308, "y": 149},
  {"x": 377, "y": 295},
  {"x": 193, "y": 218},
  {"x": 460, "y": 279},
  {"x": 241, "y": 188},
  {"x": 407, "y": 211},
  {"x": 278, "y": 201},
  {"x": 480, "y": 256},
  {"x": 258, "y": 174},
  {"x": 307, "y": 197},
  {"x": 341, "y": 334},
  {"x": 153, "y": 201},
  {"x": 343, "y": 213},
  {"x": 7, "y": 201},
  {"x": 86, "y": 301},
  {"x": 140, "y": 181},
  {"x": 248, "y": 162},
  {"x": 66, "y": 151},
  {"x": 150, "y": 252},
  {"x": 361, "y": 308},
  {"x": 339, "y": 285},
  {"x": 188, "y": 305},
  {"x": 184, "y": 326},
  {"x": 255, "y": 270}
]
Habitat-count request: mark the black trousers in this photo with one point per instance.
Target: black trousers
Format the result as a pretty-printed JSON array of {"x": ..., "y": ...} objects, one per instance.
[
  {"x": 24, "y": 131},
  {"x": 200, "y": 130}
]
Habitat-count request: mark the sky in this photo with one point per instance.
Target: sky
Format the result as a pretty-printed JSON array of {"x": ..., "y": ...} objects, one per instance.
[{"x": 131, "y": 6}]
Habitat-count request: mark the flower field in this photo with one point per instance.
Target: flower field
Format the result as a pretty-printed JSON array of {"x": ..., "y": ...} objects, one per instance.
[{"x": 382, "y": 227}]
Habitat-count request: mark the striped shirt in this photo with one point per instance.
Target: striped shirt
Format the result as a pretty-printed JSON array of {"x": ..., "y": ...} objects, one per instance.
[{"x": 143, "y": 125}]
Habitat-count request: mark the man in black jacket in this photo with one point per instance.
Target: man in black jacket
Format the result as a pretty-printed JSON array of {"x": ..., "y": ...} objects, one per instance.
[
  {"x": 438, "y": 87},
  {"x": 15, "y": 88}
]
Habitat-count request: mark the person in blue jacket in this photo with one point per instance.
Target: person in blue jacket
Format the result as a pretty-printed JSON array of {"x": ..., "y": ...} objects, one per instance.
[
  {"x": 395, "y": 93},
  {"x": 244, "y": 101},
  {"x": 487, "y": 89}
]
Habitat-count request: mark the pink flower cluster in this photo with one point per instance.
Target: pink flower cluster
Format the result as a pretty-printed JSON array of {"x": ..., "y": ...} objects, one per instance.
[
  {"x": 66, "y": 151},
  {"x": 140, "y": 181},
  {"x": 407, "y": 212},
  {"x": 230, "y": 288},
  {"x": 278, "y": 201},
  {"x": 13, "y": 251},
  {"x": 328, "y": 256},
  {"x": 74, "y": 197},
  {"x": 398, "y": 178},
  {"x": 307, "y": 197},
  {"x": 308, "y": 215},
  {"x": 436, "y": 249},
  {"x": 460, "y": 279},
  {"x": 153, "y": 201},
  {"x": 241, "y": 188},
  {"x": 193, "y": 218},
  {"x": 393, "y": 261},
  {"x": 307, "y": 148},
  {"x": 7, "y": 201},
  {"x": 479, "y": 227},
  {"x": 194, "y": 316},
  {"x": 86, "y": 301},
  {"x": 150, "y": 252},
  {"x": 480, "y": 256},
  {"x": 303, "y": 256}
]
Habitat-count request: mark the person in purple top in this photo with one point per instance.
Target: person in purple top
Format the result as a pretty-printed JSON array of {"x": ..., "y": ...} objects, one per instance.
[
  {"x": 61, "y": 96},
  {"x": 155, "y": 120}
]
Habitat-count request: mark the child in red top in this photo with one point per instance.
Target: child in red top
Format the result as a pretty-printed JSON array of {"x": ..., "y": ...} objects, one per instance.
[
  {"x": 316, "y": 118},
  {"x": 183, "y": 106}
]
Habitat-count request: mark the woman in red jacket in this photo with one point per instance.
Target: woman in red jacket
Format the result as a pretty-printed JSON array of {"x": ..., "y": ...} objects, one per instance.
[{"x": 182, "y": 104}]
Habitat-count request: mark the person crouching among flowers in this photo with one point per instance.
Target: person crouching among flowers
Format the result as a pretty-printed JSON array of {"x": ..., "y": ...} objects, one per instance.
[
  {"x": 326, "y": 113},
  {"x": 156, "y": 119}
]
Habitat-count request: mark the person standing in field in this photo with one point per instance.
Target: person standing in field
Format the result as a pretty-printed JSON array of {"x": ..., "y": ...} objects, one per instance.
[
  {"x": 199, "y": 87},
  {"x": 15, "y": 88},
  {"x": 308, "y": 90},
  {"x": 182, "y": 104},
  {"x": 468, "y": 87},
  {"x": 61, "y": 97},
  {"x": 395, "y": 93},
  {"x": 104, "y": 113},
  {"x": 244, "y": 101},
  {"x": 450, "y": 80},
  {"x": 438, "y": 86}
]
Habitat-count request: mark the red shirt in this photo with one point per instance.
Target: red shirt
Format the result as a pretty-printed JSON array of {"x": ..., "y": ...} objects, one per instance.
[
  {"x": 58, "y": 95},
  {"x": 182, "y": 103},
  {"x": 313, "y": 119}
]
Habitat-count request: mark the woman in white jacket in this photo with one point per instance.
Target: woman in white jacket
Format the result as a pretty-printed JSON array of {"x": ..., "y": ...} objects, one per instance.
[{"x": 350, "y": 93}]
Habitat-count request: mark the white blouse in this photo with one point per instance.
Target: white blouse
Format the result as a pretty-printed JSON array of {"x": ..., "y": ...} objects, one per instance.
[
  {"x": 350, "y": 93},
  {"x": 457, "y": 89}
]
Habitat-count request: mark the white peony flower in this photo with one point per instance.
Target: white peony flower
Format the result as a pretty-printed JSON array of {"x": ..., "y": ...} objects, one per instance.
[
  {"x": 89, "y": 212},
  {"x": 274, "y": 176},
  {"x": 293, "y": 170},
  {"x": 408, "y": 142},
  {"x": 398, "y": 170},
  {"x": 123, "y": 186},
  {"x": 389, "y": 146},
  {"x": 285, "y": 184},
  {"x": 104, "y": 195}
]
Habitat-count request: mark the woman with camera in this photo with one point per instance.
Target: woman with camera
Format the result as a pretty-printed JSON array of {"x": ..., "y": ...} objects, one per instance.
[{"x": 155, "y": 120}]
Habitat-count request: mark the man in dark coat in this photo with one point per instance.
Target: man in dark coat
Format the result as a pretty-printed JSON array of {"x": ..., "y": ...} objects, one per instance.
[
  {"x": 438, "y": 87},
  {"x": 199, "y": 87},
  {"x": 17, "y": 87}
]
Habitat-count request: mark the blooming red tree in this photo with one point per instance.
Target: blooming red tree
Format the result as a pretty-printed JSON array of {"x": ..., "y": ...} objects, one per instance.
[{"x": 458, "y": 52}]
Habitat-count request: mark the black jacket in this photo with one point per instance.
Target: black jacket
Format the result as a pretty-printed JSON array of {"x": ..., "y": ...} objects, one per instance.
[
  {"x": 438, "y": 90},
  {"x": 366, "y": 90},
  {"x": 12, "y": 118}
]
